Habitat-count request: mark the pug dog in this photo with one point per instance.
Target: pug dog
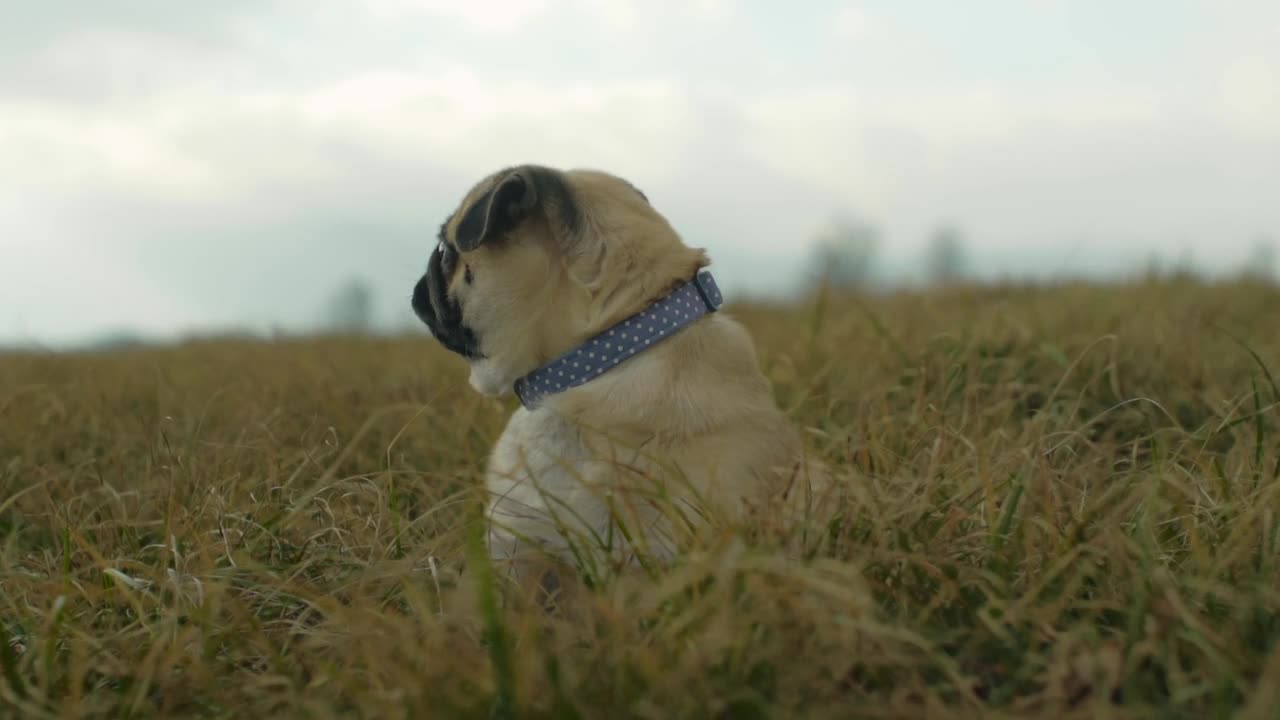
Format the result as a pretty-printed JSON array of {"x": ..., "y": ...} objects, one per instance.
[{"x": 645, "y": 422}]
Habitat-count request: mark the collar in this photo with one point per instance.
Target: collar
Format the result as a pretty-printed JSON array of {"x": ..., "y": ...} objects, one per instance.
[{"x": 605, "y": 351}]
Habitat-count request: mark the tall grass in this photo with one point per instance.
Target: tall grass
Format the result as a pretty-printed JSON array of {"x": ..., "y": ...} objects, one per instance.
[{"x": 1061, "y": 502}]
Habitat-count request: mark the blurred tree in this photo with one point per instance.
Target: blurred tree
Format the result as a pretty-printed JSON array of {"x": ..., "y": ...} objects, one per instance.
[
  {"x": 946, "y": 259},
  {"x": 351, "y": 307},
  {"x": 1154, "y": 269},
  {"x": 1262, "y": 263},
  {"x": 844, "y": 252}
]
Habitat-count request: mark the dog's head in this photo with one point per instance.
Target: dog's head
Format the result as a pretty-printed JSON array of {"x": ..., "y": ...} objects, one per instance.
[{"x": 536, "y": 260}]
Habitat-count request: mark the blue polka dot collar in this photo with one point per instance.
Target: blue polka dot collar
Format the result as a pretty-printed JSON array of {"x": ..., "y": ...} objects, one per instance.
[{"x": 619, "y": 343}]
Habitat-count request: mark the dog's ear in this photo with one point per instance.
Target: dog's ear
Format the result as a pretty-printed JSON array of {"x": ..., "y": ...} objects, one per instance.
[{"x": 497, "y": 211}]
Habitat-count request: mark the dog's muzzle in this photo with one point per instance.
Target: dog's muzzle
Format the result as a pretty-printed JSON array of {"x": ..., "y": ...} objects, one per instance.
[{"x": 441, "y": 314}]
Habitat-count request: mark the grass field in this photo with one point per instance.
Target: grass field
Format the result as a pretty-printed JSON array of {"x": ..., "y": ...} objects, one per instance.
[{"x": 1063, "y": 502}]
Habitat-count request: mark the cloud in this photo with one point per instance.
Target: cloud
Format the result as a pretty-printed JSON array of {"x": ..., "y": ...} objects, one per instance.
[
  {"x": 59, "y": 291},
  {"x": 232, "y": 203},
  {"x": 850, "y": 22},
  {"x": 1024, "y": 169},
  {"x": 1249, "y": 85},
  {"x": 239, "y": 163},
  {"x": 499, "y": 17}
]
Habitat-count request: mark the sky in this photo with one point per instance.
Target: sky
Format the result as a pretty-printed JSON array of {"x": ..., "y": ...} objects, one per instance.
[{"x": 172, "y": 167}]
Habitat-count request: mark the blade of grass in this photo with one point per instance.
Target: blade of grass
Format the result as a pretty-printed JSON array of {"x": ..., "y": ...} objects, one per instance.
[{"x": 498, "y": 643}]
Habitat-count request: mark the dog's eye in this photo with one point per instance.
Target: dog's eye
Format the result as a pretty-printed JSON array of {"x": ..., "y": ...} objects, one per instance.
[{"x": 466, "y": 274}]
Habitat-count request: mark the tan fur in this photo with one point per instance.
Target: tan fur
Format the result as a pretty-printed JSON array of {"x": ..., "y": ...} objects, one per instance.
[{"x": 687, "y": 429}]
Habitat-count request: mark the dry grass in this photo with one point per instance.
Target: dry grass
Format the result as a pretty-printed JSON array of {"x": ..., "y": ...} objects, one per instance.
[{"x": 1062, "y": 503}]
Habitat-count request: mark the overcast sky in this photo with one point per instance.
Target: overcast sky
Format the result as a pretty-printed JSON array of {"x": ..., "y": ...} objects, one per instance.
[{"x": 174, "y": 165}]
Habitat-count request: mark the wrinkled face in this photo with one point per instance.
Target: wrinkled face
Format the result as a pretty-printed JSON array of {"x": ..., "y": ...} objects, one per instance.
[
  {"x": 535, "y": 260},
  {"x": 435, "y": 306}
]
